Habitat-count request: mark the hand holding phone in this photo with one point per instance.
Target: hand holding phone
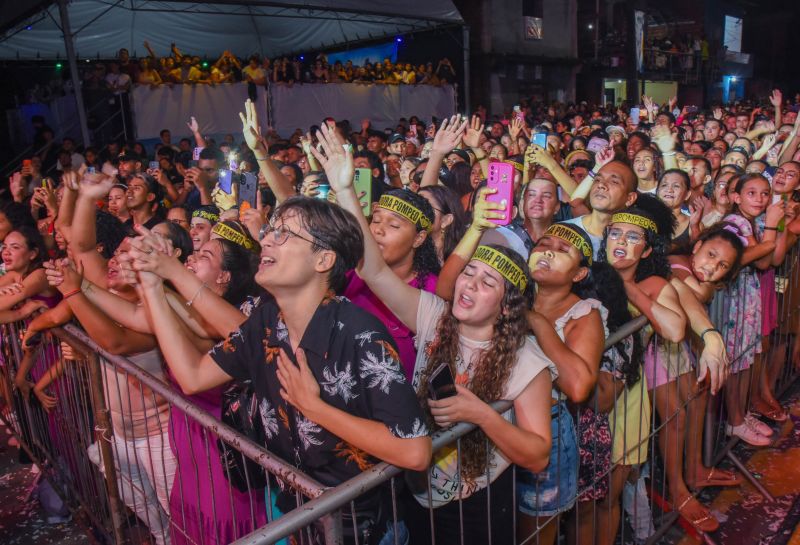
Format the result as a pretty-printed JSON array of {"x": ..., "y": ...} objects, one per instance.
[
  {"x": 362, "y": 184},
  {"x": 441, "y": 384},
  {"x": 501, "y": 179}
]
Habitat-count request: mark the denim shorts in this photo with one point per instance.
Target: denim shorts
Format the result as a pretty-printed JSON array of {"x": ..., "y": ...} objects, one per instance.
[{"x": 553, "y": 490}]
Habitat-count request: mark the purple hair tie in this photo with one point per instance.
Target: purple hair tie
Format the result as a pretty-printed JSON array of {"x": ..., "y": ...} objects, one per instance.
[{"x": 732, "y": 229}]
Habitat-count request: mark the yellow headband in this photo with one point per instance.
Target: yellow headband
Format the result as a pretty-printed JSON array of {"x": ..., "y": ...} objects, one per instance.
[
  {"x": 566, "y": 233},
  {"x": 408, "y": 211},
  {"x": 204, "y": 214},
  {"x": 634, "y": 219},
  {"x": 502, "y": 264},
  {"x": 232, "y": 235}
]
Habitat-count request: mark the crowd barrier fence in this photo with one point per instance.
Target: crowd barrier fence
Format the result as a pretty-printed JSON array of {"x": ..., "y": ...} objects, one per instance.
[{"x": 138, "y": 458}]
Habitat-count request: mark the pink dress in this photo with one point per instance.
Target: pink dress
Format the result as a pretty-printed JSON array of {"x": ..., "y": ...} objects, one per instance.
[{"x": 360, "y": 294}]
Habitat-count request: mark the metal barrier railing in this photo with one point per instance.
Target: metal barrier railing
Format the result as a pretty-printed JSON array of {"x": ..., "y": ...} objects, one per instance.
[{"x": 170, "y": 485}]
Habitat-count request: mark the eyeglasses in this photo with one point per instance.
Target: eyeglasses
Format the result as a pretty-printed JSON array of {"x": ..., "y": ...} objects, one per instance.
[
  {"x": 281, "y": 234},
  {"x": 631, "y": 237}
]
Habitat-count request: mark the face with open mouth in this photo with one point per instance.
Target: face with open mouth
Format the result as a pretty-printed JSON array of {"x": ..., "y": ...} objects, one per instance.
[
  {"x": 199, "y": 232},
  {"x": 554, "y": 261},
  {"x": 626, "y": 244},
  {"x": 672, "y": 190},
  {"x": 478, "y": 294}
]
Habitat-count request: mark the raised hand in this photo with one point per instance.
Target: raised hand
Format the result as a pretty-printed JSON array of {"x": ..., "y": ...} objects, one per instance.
[
  {"x": 251, "y": 130},
  {"x": 336, "y": 159},
  {"x": 96, "y": 186},
  {"x": 472, "y": 136},
  {"x": 516, "y": 126},
  {"x": 603, "y": 157},
  {"x": 537, "y": 155},
  {"x": 664, "y": 139},
  {"x": 776, "y": 99},
  {"x": 16, "y": 187},
  {"x": 193, "y": 125},
  {"x": 672, "y": 102},
  {"x": 448, "y": 136}
]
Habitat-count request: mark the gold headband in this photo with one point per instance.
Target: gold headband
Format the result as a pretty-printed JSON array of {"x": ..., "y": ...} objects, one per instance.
[
  {"x": 518, "y": 166},
  {"x": 634, "y": 219},
  {"x": 213, "y": 218},
  {"x": 502, "y": 264},
  {"x": 232, "y": 235},
  {"x": 566, "y": 233},
  {"x": 408, "y": 211}
]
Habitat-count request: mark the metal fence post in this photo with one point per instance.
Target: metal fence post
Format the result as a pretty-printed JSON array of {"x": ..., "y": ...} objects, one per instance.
[
  {"x": 103, "y": 433},
  {"x": 332, "y": 528}
]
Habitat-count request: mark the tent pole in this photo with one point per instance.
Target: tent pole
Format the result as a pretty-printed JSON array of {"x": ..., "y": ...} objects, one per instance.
[
  {"x": 73, "y": 70},
  {"x": 465, "y": 45}
]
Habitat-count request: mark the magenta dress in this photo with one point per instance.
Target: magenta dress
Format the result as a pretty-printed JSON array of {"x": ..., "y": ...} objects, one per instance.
[
  {"x": 204, "y": 507},
  {"x": 359, "y": 293}
]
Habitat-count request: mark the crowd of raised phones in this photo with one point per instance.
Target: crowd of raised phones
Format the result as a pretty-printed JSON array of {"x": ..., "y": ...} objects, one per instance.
[{"x": 373, "y": 286}]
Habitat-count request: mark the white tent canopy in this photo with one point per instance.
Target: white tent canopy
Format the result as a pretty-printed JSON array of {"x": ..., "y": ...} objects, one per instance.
[{"x": 271, "y": 28}]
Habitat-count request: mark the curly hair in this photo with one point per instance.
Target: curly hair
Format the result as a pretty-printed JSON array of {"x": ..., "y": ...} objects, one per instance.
[
  {"x": 242, "y": 265},
  {"x": 425, "y": 262},
  {"x": 655, "y": 264},
  {"x": 450, "y": 204},
  {"x": 493, "y": 368},
  {"x": 110, "y": 232}
]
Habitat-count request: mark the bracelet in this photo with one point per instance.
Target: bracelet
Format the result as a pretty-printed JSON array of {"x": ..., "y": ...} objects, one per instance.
[
  {"x": 70, "y": 294},
  {"x": 591, "y": 173},
  {"x": 770, "y": 228},
  {"x": 667, "y": 153},
  {"x": 710, "y": 329},
  {"x": 190, "y": 302}
]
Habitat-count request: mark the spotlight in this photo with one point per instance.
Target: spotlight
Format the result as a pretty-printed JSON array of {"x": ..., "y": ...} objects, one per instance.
[
  {"x": 398, "y": 39},
  {"x": 58, "y": 66},
  {"x": 733, "y": 79},
  {"x": 590, "y": 26}
]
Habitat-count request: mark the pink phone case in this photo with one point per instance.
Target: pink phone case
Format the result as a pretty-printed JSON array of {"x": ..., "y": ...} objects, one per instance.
[{"x": 501, "y": 178}]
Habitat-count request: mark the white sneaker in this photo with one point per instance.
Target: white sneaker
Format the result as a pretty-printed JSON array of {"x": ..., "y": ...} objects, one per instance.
[
  {"x": 758, "y": 425},
  {"x": 747, "y": 434}
]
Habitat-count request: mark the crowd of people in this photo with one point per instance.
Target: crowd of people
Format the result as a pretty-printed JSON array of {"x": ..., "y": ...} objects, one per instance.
[
  {"x": 368, "y": 267},
  {"x": 179, "y": 67}
]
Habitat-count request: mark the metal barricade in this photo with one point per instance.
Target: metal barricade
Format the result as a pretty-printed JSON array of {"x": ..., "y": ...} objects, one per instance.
[{"x": 633, "y": 459}]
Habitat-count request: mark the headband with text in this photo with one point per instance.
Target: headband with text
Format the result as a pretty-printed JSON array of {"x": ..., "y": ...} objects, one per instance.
[
  {"x": 573, "y": 237},
  {"x": 635, "y": 219},
  {"x": 408, "y": 211},
  {"x": 232, "y": 235},
  {"x": 503, "y": 265}
]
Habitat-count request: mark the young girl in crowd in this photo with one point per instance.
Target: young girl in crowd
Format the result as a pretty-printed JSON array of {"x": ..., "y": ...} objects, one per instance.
[
  {"x": 635, "y": 245},
  {"x": 481, "y": 337},
  {"x": 401, "y": 225},
  {"x": 674, "y": 190},
  {"x": 645, "y": 165},
  {"x": 742, "y": 331}
]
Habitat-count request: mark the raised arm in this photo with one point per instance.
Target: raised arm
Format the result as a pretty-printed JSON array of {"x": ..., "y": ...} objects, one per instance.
[
  {"x": 251, "y": 130},
  {"x": 456, "y": 261},
  {"x": 398, "y": 296},
  {"x": 447, "y": 138},
  {"x": 662, "y": 309},
  {"x": 537, "y": 155},
  {"x": 472, "y": 138},
  {"x": 194, "y": 126},
  {"x": 665, "y": 142}
]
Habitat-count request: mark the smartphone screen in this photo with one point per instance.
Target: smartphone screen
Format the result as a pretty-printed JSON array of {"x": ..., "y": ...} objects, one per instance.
[
  {"x": 635, "y": 116},
  {"x": 153, "y": 165},
  {"x": 362, "y": 183},
  {"x": 441, "y": 384},
  {"x": 196, "y": 153},
  {"x": 540, "y": 139},
  {"x": 322, "y": 192},
  {"x": 225, "y": 180}
]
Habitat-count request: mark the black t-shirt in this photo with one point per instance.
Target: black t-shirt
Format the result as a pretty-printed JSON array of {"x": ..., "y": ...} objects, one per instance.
[
  {"x": 152, "y": 222},
  {"x": 356, "y": 364}
]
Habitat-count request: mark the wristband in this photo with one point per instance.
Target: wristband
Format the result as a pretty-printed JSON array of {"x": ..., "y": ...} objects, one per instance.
[
  {"x": 710, "y": 329},
  {"x": 260, "y": 158},
  {"x": 770, "y": 228},
  {"x": 591, "y": 173},
  {"x": 71, "y": 293},
  {"x": 667, "y": 153}
]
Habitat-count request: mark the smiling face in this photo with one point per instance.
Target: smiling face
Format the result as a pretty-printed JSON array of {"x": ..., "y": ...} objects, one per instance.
[
  {"x": 626, "y": 245},
  {"x": 397, "y": 237},
  {"x": 712, "y": 259},
  {"x": 478, "y": 295},
  {"x": 206, "y": 264},
  {"x": 113, "y": 276},
  {"x": 672, "y": 190},
  {"x": 200, "y": 232}
]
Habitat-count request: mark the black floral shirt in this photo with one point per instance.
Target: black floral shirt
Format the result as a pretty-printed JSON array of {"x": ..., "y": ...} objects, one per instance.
[{"x": 355, "y": 362}]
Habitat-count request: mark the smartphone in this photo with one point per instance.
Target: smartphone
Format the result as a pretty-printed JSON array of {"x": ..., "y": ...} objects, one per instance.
[
  {"x": 45, "y": 182},
  {"x": 225, "y": 180},
  {"x": 412, "y": 131},
  {"x": 323, "y": 190},
  {"x": 518, "y": 112},
  {"x": 248, "y": 186},
  {"x": 691, "y": 109},
  {"x": 441, "y": 384},
  {"x": 540, "y": 139},
  {"x": 501, "y": 178},
  {"x": 233, "y": 161},
  {"x": 635, "y": 115},
  {"x": 362, "y": 183},
  {"x": 196, "y": 153},
  {"x": 153, "y": 165}
]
